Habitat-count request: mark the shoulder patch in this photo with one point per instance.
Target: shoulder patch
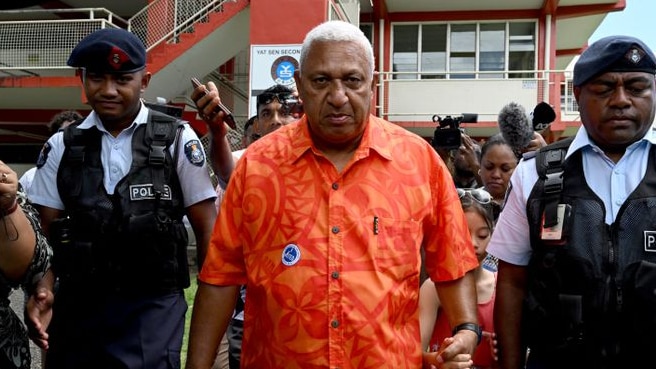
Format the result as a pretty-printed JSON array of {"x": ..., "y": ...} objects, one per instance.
[
  {"x": 43, "y": 155},
  {"x": 194, "y": 153}
]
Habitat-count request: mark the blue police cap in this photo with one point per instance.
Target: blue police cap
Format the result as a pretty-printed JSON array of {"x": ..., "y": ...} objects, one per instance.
[
  {"x": 109, "y": 50},
  {"x": 614, "y": 54}
]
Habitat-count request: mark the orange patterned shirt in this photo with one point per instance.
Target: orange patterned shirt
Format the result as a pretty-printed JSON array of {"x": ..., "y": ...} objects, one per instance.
[{"x": 331, "y": 260}]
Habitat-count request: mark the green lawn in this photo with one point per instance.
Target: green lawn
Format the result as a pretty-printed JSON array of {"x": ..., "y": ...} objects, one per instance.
[{"x": 190, "y": 293}]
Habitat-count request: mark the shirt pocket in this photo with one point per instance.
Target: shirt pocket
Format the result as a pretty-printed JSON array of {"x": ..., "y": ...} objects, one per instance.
[{"x": 398, "y": 244}]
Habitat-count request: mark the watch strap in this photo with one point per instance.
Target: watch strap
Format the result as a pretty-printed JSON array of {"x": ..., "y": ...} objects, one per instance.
[{"x": 470, "y": 327}]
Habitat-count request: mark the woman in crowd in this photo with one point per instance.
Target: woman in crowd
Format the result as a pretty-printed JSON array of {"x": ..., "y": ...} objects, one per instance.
[
  {"x": 24, "y": 259},
  {"x": 497, "y": 165},
  {"x": 433, "y": 322}
]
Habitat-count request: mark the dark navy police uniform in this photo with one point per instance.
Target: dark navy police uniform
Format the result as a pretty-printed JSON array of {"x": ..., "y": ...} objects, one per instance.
[
  {"x": 121, "y": 251},
  {"x": 590, "y": 299}
]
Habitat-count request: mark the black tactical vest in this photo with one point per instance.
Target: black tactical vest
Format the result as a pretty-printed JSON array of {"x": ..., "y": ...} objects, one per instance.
[
  {"x": 591, "y": 299},
  {"x": 131, "y": 242}
]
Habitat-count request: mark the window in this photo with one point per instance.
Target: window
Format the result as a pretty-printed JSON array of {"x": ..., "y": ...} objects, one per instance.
[
  {"x": 567, "y": 100},
  {"x": 433, "y": 51},
  {"x": 521, "y": 53},
  {"x": 462, "y": 50},
  {"x": 368, "y": 30},
  {"x": 406, "y": 46},
  {"x": 492, "y": 48}
]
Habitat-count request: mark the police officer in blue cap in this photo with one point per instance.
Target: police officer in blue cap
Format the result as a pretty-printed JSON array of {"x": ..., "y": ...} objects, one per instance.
[
  {"x": 576, "y": 240},
  {"x": 112, "y": 191}
]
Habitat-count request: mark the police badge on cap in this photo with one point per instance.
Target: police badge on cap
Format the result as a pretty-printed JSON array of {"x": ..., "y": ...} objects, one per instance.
[{"x": 614, "y": 54}]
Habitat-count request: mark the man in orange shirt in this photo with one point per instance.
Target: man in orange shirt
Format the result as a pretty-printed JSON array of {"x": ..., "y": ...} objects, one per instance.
[{"x": 324, "y": 220}]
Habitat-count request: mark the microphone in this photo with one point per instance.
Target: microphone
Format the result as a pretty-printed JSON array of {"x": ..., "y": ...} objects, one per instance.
[
  {"x": 515, "y": 127},
  {"x": 543, "y": 115}
]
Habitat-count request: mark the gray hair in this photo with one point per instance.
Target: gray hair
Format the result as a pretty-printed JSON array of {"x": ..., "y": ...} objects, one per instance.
[{"x": 337, "y": 31}]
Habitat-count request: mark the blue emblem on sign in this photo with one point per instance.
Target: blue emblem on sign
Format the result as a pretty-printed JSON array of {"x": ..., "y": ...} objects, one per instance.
[
  {"x": 43, "y": 155},
  {"x": 282, "y": 70},
  {"x": 194, "y": 153},
  {"x": 291, "y": 254}
]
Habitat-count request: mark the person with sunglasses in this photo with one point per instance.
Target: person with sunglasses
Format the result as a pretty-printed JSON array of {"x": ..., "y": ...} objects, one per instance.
[
  {"x": 476, "y": 203},
  {"x": 276, "y": 106},
  {"x": 324, "y": 220}
]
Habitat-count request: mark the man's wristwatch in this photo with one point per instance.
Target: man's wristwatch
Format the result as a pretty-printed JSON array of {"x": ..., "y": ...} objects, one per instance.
[{"x": 470, "y": 327}]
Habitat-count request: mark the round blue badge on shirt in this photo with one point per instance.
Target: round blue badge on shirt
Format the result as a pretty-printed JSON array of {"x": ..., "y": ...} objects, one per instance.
[{"x": 291, "y": 254}]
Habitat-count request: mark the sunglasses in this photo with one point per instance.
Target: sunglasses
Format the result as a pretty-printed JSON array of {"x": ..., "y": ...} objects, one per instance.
[
  {"x": 267, "y": 98},
  {"x": 290, "y": 103},
  {"x": 477, "y": 194}
]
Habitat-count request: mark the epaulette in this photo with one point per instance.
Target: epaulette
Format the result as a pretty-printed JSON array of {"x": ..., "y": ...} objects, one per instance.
[{"x": 529, "y": 155}]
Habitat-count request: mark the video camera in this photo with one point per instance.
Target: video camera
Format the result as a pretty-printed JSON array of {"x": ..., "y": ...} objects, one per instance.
[
  {"x": 293, "y": 106},
  {"x": 448, "y": 133}
]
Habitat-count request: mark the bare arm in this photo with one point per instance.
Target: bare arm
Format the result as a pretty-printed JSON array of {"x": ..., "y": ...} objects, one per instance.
[
  {"x": 213, "y": 308},
  {"x": 458, "y": 299},
  {"x": 511, "y": 290},
  {"x": 207, "y": 100},
  {"x": 17, "y": 237},
  {"x": 202, "y": 216},
  {"x": 38, "y": 308},
  {"x": 47, "y": 215},
  {"x": 429, "y": 304},
  {"x": 468, "y": 151},
  {"x": 17, "y": 243}
]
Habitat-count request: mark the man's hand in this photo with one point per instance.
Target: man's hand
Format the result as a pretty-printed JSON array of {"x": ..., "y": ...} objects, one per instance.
[
  {"x": 38, "y": 311},
  {"x": 468, "y": 152},
  {"x": 536, "y": 143},
  {"x": 208, "y": 103}
]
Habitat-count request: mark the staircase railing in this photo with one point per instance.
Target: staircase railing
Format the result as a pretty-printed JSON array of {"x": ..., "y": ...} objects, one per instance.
[
  {"x": 164, "y": 20},
  {"x": 32, "y": 40}
]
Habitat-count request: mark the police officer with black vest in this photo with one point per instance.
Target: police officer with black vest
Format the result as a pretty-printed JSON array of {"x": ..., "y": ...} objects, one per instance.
[
  {"x": 576, "y": 240},
  {"x": 112, "y": 191}
]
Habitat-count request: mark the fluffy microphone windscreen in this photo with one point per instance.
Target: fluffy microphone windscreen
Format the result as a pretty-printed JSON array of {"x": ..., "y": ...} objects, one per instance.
[{"x": 515, "y": 127}]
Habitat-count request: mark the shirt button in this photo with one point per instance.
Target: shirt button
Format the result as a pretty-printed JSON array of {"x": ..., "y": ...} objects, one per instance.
[
  {"x": 335, "y": 186},
  {"x": 334, "y": 324},
  {"x": 335, "y": 275},
  {"x": 335, "y": 229}
]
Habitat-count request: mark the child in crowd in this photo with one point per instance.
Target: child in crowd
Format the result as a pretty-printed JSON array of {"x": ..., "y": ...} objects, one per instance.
[{"x": 434, "y": 324}]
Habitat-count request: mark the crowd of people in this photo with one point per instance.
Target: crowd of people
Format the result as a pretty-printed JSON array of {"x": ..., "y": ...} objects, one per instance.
[{"x": 313, "y": 244}]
